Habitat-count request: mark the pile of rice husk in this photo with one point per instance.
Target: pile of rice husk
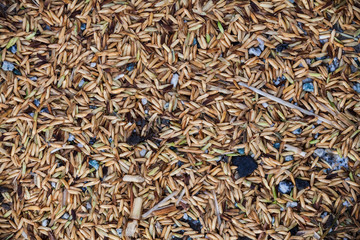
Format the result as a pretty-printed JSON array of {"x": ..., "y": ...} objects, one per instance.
[{"x": 186, "y": 119}]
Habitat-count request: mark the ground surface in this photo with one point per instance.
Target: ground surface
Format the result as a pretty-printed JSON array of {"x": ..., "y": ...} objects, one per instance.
[{"x": 109, "y": 107}]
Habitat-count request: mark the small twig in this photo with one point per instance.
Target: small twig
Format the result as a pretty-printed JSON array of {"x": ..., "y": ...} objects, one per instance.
[
  {"x": 157, "y": 206},
  {"x": 279, "y": 100},
  {"x": 180, "y": 197},
  {"x": 217, "y": 210}
]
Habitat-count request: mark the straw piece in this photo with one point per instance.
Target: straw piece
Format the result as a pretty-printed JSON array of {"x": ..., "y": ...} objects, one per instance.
[
  {"x": 133, "y": 178},
  {"x": 217, "y": 210},
  {"x": 285, "y": 103},
  {"x": 137, "y": 207},
  {"x": 131, "y": 228},
  {"x": 157, "y": 206}
]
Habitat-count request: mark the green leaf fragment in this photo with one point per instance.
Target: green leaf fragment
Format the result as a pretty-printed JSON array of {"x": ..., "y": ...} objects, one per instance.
[
  {"x": 220, "y": 27},
  {"x": 12, "y": 42},
  {"x": 208, "y": 38},
  {"x": 31, "y": 36}
]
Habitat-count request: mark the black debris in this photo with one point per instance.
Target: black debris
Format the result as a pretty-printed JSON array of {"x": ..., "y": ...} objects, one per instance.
[
  {"x": 301, "y": 184},
  {"x": 294, "y": 230},
  {"x": 134, "y": 139},
  {"x": 246, "y": 165},
  {"x": 44, "y": 110},
  {"x": 195, "y": 224},
  {"x": 92, "y": 141},
  {"x": 244, "y": 238},
  {"x": 281, "y": 47}
]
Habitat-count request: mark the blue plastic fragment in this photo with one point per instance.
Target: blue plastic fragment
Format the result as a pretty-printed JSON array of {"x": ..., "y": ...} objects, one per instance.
[
  {"x": 308, "y": 86},
  {"x": 356, "y": 87},
  {"x": 241, "y": 151},
  {"x": 83, "y": 26},
  {"x": 8, "y": 66},
  {"x": 93, "y": 163},
  {"x": 277, "y": 81},
  {"x": 285, "y": 187},
  {"x": 130, "y": 67},
  {"x": 71, "y": 137},
  {"x": 17, "y": 72},
  {"x": 255, "y": 51},
  {"x": 44, "y": 110},
  {"x": 334, "y": 65},
  {"x": 13, "y": 49},
  {"x": 297, "y": 131},
  {"x": 37, "y": 102}
]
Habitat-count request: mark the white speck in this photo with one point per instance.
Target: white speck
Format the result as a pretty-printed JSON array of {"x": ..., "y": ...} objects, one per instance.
[
  {"x": 88, "y": 206},
  {"x": 144, "y": 101},
  {"x": 71, "y": 138},
  {"x": 265, "y": 105},
  {"x": 175, "y": 79},
  {"x": 119, "y": 76},
  {"x": 146, "y": 111},
  {"x": 8, "y": 66},
  {"x": 185, "y": 217},
  {"x": 33, "y": 78},
  {"x": 166, "y": 106},
  {"x": 92, "y": 64},
  {"x": 45, "y": 222},
  {"x": 81, "y": 83},
  {"x": 31, "y": 114},
  {"x": 318, "y": 121},
  {"x": 261, "y": 44},
  {"x": 80, "y": 145},
  {"x": 319, "y": 152},
  {"x": 65, "y": 216},
  {"x": 119, "y": 231},
  {"x": 129, "y": 124},
  {"x": 143, "y": 152},
  {"x": 291, "y": 204},
  {"x": 53, "y": 184}
]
